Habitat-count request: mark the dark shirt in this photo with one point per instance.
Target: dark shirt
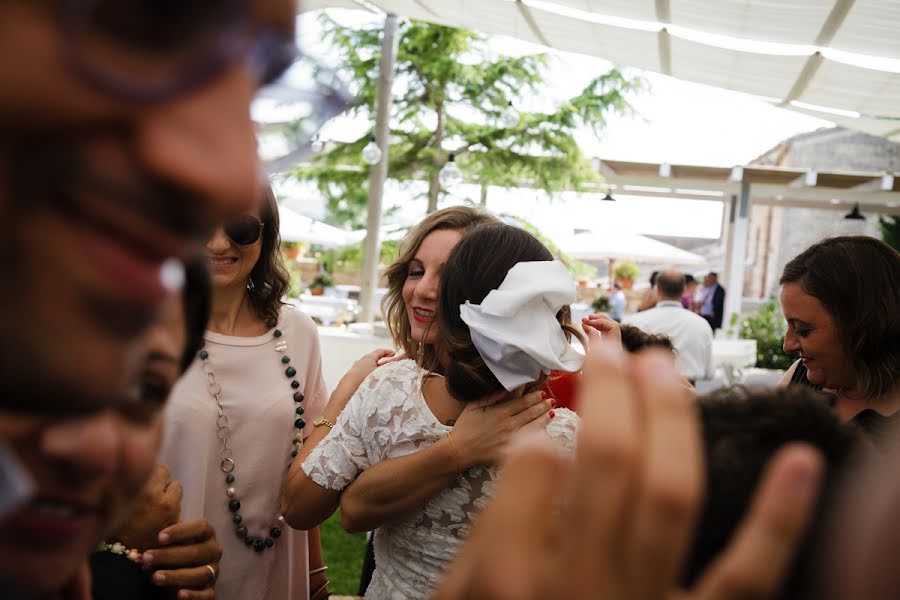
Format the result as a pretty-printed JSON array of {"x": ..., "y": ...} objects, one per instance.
[
  {"x": 113, "y": 576},
  {"x": 874, "y": 426}
]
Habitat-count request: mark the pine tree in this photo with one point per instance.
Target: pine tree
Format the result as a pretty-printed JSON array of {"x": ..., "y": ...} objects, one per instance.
[
  {"x": 890, "y": 230},
  {"x": 449, "y": 95}
]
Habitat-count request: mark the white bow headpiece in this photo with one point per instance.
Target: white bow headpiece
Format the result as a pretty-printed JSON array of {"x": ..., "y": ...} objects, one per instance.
[{"x": 515, "y": 329}]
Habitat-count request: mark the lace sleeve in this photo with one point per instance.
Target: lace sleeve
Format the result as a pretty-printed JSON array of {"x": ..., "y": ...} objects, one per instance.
[
  {"x": 564, "y": 430},
  {"x": 341, "y": 456}
]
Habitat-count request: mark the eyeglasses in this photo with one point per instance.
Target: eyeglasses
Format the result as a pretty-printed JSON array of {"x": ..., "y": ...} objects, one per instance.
[
  {"x": 154, "y": 50},
  {"x": 244, "y": 230}
]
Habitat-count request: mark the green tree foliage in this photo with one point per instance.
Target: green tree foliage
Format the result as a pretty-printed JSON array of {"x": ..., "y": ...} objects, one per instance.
[
  {"x": 767, "y": 327},
  {"x": 448, "y": 96},
  {"x": 890, "y": 230}
]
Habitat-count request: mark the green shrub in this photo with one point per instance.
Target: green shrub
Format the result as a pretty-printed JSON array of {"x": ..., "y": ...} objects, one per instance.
[
  {"x": 767, "y": 327},
  {"x": 601, "y": 304}
]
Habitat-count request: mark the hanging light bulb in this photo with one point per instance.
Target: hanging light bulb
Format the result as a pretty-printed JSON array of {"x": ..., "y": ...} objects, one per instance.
[
  {"x": 510, "y": 117},
  {"x": 450, "y": 175},
  {"x": 371, "y": 154},
  {"x": 316, "y": 145}
]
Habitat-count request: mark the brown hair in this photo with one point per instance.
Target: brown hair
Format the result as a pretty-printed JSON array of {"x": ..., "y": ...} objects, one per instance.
[
  {"x": 857, "y": 280},
  {"x": 477, "y": 265},
  {"x": 269, "y": 279},
  {"x": 635, "y": 339},
  {"x": 458, "y": 218}
]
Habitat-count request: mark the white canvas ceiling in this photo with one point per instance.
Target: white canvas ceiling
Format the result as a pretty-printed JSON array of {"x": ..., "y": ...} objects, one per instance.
[{"x": 840, "y": 55}]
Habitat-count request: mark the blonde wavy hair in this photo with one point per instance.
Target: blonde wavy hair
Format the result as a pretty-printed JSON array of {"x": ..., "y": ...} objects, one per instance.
[{"x": 457, "y": 218}]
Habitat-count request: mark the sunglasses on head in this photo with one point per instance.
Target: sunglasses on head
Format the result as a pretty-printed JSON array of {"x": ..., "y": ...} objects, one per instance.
[{"x": 244, "y": 231}]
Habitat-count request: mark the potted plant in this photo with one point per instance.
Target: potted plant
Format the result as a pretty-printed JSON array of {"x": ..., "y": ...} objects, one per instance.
[
  {"x": 322, "y": 280},
  {"x": 290, "y": 250},
  {"x": 625, "y": 273}
]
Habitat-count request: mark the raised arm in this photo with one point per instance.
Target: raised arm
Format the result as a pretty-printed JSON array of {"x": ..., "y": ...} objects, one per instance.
[
  {"x": 395, "y": 487},
  {"x": 304, "y": 503}
]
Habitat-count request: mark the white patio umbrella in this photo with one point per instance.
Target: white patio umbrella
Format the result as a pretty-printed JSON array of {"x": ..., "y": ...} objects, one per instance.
[
  {"x": 300, "y": 228},
  {"x": 625, "y": 246}
]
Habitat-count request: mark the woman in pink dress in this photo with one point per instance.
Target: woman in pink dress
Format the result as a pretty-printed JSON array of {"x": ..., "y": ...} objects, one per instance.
[{"x": 239, "y": 415}]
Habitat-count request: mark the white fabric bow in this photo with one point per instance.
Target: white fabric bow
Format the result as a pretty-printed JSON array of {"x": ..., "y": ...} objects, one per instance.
[{"x": 515, "y": 329}]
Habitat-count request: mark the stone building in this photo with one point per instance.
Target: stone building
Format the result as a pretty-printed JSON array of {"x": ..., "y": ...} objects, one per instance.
[{"x": 777, "y": 234}]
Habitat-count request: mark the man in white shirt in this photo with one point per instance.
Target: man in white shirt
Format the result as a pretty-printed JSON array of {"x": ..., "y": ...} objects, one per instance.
[
  {"x": 617, "y": 303},
  {"x": 689, "y": 332}
]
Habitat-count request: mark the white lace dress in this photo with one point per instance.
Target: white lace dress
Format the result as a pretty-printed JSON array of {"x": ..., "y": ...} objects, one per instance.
[{"x": 387, "y": 418}]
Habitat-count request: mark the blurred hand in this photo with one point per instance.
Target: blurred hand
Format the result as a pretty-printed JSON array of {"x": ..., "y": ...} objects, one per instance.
[
  {"x": 483, "y": 431},
  {"x": 157, "y": 506},
  {"x": 603, "y": 323},
  {"x": 616, "y": 523},
  {"x": 183, "y": 557}
]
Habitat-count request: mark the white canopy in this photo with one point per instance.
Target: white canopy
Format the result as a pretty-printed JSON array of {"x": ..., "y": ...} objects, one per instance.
[
  {"x": 299, "y": 228},
  {"x": 625, "y": 246},
  {"x": 835, "y": 59}
]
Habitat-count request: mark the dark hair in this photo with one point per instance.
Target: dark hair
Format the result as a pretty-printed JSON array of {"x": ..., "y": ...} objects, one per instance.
[
  {"x": 670, "y": 284},
  {"x": 742, "y": 429},
  {"x": 857, "y": 280},
  {"x": 196, "y": 298},
  {"x": 689, "y": 279},
  {"x": 269, "y": 279},
  {"x": 478, "y": 264},
  {"x": 457, "y": 218},
  {"x": 635, "y": 339},
  {"x": 653, "y": 277}
]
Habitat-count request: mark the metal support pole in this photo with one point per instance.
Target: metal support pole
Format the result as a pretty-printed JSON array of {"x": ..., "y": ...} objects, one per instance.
[
  {"x": 738, "y": 259},
  {"x": 379, "y": 172}
]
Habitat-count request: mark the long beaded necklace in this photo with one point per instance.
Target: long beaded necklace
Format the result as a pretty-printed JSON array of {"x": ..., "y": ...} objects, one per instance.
[{"x": 228, "y": 464}]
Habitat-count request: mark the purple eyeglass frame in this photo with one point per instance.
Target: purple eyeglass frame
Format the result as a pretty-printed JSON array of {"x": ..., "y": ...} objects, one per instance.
[{"x": 268, "y": 52}]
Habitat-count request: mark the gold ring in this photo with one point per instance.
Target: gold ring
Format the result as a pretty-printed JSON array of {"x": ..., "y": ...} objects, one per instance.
[{"x": 211, "y": 570}]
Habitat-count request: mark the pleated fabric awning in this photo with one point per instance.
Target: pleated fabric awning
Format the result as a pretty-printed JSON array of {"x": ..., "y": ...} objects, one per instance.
[{"x": 835, "y": 59}]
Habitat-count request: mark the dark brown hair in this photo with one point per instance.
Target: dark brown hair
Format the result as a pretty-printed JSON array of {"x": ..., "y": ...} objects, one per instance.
[
  {"x": 635, "y": 339},
  {"x": 269, "y": 279},
  {"x": 459, "y": 218},
  {"x": 478, "y": 264},
  {"x": 857, "y": 280},
  {"x": 743, "y": 428}
]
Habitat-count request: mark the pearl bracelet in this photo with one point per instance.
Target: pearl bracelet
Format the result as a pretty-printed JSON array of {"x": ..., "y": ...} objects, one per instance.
[{"x": 132, "y": 554}]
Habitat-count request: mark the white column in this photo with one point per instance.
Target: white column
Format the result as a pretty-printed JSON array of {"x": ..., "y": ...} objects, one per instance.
[
  {"x": 734, "y": 285},
  {"x": 379, "y": 172}
]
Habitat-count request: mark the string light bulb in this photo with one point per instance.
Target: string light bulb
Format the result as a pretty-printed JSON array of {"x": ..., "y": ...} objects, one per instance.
[
  {"x": 371, "y": 154},
  {"x": 450, "y": 175}
]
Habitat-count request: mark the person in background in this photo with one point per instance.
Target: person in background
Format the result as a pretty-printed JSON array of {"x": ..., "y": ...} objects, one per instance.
[
  {"x": 239, "y": 415},
  {"x": 690, "y": 333},
  {"x": 87, "y": 467},
  {"x": 711, "y": 305},
  {"x": 690, "y": 290},
  {"x": 152, "y": 553},
  {"x": 841, "y": 300},
  {"x": 617, "y": 302},
  {"x": 649, "y": 298}
]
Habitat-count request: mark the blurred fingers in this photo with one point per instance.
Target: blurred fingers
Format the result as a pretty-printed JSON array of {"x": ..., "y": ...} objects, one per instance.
[
  {"x": 606, "y": 455},
  {"x": 193, "y": 578},
  {"x": 669, "y": 492}
]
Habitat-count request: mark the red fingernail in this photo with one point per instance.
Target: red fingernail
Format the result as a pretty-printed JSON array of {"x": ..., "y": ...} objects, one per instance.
[
  {"x": 553, "y": 402},
  {"x": 543, "y": 395},
  {"x": 552, "y": 414}
]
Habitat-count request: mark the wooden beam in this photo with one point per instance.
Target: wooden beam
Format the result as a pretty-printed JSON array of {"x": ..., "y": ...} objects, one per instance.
[
  {"x": 804, "y": 78},
  {"x": 532, "y": 23},
  {"x": 834, "y": 21}
]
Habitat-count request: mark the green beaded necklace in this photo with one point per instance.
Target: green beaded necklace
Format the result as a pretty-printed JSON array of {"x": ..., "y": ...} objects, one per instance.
[{"x": 227, "y": 454}]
